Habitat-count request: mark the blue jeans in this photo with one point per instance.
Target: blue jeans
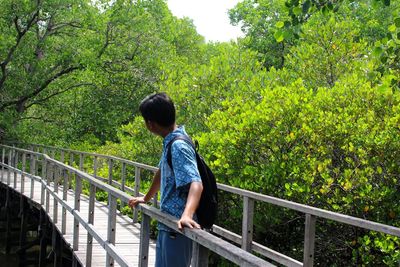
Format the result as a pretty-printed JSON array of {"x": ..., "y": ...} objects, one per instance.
[{"x": 173, "y": 250}]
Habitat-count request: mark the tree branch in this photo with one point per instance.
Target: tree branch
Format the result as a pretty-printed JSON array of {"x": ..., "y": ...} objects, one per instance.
[
  {"x": 107, "y": 42},
  {"x": 35, "y": 118},
  {"x": 58, "y": 93},
  {"x": 21, "y": 33},
  {"x": 20, "y": 103}
]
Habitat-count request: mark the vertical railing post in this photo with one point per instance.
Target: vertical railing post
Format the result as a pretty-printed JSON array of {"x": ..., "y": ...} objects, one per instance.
[
  {"x": 56, "y": 173},
  {"x": 10, "y": 165},
  {"x": 65, "y": 194},
  {"x": 123, "y": 178},
  {"x": 71, "y": 163},
  {"x": 23, "y": 171},
  {"x": 32, "y": 168},
  {"x": 110, "y": 167},
  {"x": 78, "y": 191},
  {"x": 199, "y": 255},
  {"x": 144, "y": 241},
  {"x": 62, "y": 156},
  {"x": 309, "y": 240},
  {"x": 3, "y": 155},
  {"x": 89, "y": 248},
  {"x": 44, "y": 170},
  {"x": 155, "y": 200},
  {"x": 136, "y": 192},
  {"x": 112, "y": 216},
  {"x": 16, "y": 156},
  {"x": 247, "y": 223},
  {"x": 49, "y": 177},
  {"x": 71, "y": 159},
  {"x": 81, "y": 160},
  {"x": 95, "y": 166},
  {"x": 37, "y": 165}
]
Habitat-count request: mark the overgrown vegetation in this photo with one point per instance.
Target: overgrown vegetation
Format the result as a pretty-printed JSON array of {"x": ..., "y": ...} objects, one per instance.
[{"x": 305, "y": 107}]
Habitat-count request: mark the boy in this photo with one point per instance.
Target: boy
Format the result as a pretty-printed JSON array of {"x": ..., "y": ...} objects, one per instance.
[{"x": 180, "y": 188}]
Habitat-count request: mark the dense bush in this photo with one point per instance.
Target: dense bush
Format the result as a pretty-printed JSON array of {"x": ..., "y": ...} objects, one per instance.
[{"x": 336, "y": 149}]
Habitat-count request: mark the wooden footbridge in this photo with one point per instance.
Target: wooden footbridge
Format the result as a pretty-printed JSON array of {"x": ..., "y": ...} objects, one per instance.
[{"x": 57, "y": 183}]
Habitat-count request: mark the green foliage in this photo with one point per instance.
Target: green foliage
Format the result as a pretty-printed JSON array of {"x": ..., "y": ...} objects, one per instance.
[
  {"x": 40, "y": 52},
  {"x": 335, "y": 148},
  {"x": 82, "y": 67},
  {"x": 263, "y": 24},
  {"x": 136, "y": 143},
  {"x": 329, "y": 49},
  {"x": 199, "y": 89}
]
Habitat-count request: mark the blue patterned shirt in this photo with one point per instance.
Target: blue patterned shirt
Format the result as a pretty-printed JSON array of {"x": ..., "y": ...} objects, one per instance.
[{"x": 175, "y": 184}]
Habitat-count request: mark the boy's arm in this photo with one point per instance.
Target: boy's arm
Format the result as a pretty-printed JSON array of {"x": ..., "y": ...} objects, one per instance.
[
  {"x": 155, "y": 186},
  {"x": 191, "y": 205}
]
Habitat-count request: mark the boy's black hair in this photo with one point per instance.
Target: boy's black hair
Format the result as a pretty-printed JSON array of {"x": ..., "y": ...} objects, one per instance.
[{"x": 158, "y": 108}]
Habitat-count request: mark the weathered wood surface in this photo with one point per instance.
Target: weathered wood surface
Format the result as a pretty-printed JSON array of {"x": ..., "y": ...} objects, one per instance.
[{"x": 127, "y": 240}]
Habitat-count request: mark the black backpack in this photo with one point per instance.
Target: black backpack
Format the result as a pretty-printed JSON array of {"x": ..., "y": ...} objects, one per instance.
[{"x": 207, "y": 210}]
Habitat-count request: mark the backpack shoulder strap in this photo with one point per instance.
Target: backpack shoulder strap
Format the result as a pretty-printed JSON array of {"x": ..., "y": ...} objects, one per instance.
[{"x": 169, "y": 145}]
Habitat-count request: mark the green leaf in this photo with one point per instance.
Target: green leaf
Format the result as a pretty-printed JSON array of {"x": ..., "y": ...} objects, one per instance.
[
  {"x": 325, "y": 10},
  {"x": 286, "y": 35},
  {"x": 280, "y": 24},
  {"x": 397, "y": 22},
  {"x": 377, "y": 51},
  {"x": 392, "y": 28},
  {"x": 279, "y": 36},
  {"x": 386, "y": 2},
  {"x": 297, "y": 11}
]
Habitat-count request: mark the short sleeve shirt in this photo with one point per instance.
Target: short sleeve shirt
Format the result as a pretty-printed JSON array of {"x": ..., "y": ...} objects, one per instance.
[{"x": 175, "y": 183}]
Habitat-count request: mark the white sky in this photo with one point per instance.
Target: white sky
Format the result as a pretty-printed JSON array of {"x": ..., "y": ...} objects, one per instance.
[{"x": 209, "y": 16}]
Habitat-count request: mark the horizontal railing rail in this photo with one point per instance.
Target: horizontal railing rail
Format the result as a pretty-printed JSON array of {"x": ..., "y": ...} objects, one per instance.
[
  {"x": 249, "y": 198},
  {"x": 109, "y": 162},
  {"x": 50, "y": 167}
]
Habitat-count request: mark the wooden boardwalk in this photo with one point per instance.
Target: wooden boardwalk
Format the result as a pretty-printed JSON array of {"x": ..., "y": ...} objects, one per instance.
[
  {"x": 127, "y": 233},
  {"x": 125, "y": 241}
]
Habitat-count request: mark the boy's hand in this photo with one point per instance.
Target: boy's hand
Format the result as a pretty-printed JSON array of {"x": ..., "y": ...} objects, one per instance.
[
  {"x": 133, "y": 202},
  {"x": 187, "y": 221}
]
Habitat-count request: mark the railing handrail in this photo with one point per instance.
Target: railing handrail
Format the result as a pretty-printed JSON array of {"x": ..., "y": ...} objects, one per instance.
[
  {"x": 223, "y": 248},
  {"x": 326, "y": 214},
  {"x": 133, "y": 163},
  {"x": 306, "y": 209}
]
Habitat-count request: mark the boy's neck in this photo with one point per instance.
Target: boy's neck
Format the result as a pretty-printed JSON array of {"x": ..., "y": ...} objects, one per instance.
[{"x": 167, "y": 130}]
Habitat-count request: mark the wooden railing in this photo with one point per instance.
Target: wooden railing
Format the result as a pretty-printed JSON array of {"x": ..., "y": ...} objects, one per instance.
[
  {"x": 203, "y": 239},
  {"x": 15, "y": 161}
]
